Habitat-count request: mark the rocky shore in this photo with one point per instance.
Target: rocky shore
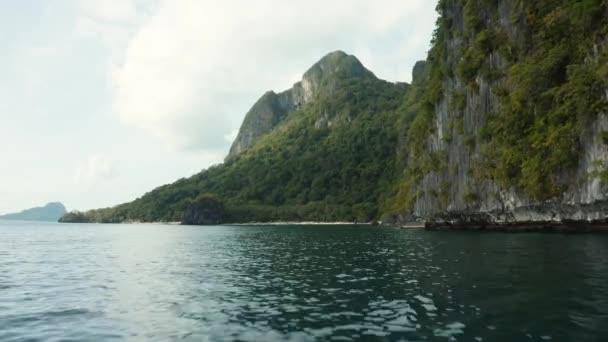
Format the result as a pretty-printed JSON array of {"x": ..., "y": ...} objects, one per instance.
[
  {"x": 523, "y": 227},
  {"x": 590, "y": 218}
]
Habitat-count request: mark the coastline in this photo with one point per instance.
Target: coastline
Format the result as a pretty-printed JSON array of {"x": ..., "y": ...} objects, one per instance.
[
  {"x": 303, "y": 223},
  {"x": 531, "y": 226},
  {"x": 544, "y": 218},
  {"x": 564, "y": 227}
]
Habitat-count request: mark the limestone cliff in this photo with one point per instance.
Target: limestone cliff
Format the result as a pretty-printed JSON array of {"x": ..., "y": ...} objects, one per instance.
[
  {"x": 486, "y": 53},
  {"x": 204, "y": 210},
  {"x": 272, "y": 108}
]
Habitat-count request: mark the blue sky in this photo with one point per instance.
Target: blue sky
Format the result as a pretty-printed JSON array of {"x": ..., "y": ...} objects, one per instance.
[{"x": 103, "y": 100}]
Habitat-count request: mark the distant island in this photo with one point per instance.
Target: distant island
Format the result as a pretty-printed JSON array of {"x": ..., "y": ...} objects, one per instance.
[{"x": 51, "y": 212}]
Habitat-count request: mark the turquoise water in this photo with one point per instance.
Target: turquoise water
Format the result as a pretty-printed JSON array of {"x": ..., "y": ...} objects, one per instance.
[{"x": 160, "y": 282}]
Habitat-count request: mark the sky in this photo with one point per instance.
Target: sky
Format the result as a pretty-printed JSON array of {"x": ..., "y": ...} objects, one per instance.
[{"x": 102, "y": 101}]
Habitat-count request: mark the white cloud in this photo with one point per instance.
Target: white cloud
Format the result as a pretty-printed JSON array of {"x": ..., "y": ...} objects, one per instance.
[
  {"x": 112, "y": 22},
  {"x": 109, "y": 10},
  {"x": 190, "y": 69},
  {"x": 96, "y": 168}
]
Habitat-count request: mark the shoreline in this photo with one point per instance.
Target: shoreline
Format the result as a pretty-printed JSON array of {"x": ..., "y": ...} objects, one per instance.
[
  {"x": 295, "y": 223},
  {"x": 563, "y": 227},
  {"x": 274, "y": 223},
  {"x": 560, "y": 227}
]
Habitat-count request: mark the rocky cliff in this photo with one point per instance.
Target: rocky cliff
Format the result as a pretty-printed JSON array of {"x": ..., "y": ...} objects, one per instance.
[
  {"x": 204, "y": 210},
  {"x": 272, "y": 108},
  {"x": 517, "y": 129}
]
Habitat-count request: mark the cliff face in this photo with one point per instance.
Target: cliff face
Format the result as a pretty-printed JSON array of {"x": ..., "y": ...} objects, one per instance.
[
  {"x": 265, "y": 114},
  {"x": 204, "y": 210},
  {"x": 480, "y": 119},
  {"x": 273, "y": 108}
]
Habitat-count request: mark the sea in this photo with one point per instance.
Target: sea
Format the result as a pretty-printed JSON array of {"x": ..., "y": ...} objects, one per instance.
[{"x": 155, "y": 282}]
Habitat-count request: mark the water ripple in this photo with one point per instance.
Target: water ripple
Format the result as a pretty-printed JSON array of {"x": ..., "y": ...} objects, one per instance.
[{"x": 154, "y": 282}]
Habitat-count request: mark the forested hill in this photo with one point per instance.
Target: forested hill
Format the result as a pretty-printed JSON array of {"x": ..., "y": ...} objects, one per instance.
[
  {"x": 321, "y": 151},
  {"x": 506, "y": 121}
]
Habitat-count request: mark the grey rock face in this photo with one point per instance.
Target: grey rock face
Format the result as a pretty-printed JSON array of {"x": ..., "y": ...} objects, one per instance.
[
  {"x": 206, "y": 211},
  {"x": 420, "y": 72},
  {"x": 585, "y": 198},
  {"x": 265, "y": 114},
  {"x": 272, "y": 108}
]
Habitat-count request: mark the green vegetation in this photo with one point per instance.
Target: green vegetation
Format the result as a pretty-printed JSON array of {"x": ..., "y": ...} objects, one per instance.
[
  {"x": 459, "y": 101},
  {"x": 303, "y": 170},
  {"x": 77, "y": 216},
  {"x": 605, "y": 137},
  {"x": 419, "y": 106},
  {"x": 552, "y": 92},
  {"x": 552, "y": 88},
  {"x": 204, "y": 209}
]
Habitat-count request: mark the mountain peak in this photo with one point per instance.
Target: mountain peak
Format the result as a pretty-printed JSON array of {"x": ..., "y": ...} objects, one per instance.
[
  {"x": 336, "y": 64},
  {"x": 322, "y": 78}
]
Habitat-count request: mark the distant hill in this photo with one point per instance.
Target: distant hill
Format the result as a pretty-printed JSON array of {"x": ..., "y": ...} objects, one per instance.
[{"x": 51, "y": 212}]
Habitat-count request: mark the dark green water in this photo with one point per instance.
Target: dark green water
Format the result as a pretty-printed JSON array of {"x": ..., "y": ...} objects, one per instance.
[{"x": 155, "y": 282}]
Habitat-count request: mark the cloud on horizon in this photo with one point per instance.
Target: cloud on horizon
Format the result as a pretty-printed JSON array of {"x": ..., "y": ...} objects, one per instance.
[{"x": 186, "y": 71}]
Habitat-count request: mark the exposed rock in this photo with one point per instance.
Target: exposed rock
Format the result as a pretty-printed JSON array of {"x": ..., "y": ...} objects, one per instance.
[
  {"x": 272, "y": 108},
  {"x": 469, "y": 201},
  {"x": 205, "y": 210},
  {"x": 265, "y": 114},
  {"x": 420, "y": 71}
]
